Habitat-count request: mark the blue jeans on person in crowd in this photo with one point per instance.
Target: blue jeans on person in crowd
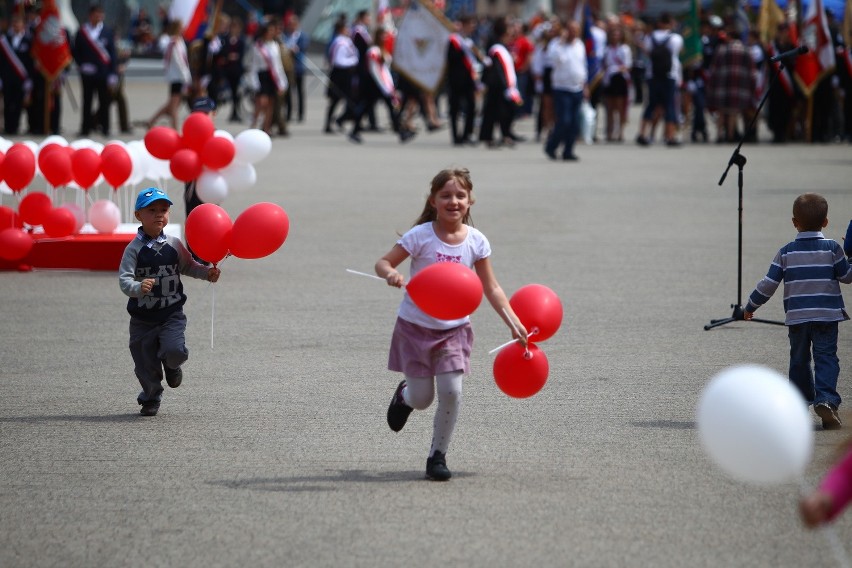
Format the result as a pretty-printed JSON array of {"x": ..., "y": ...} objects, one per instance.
[
  {"x": 661, "y": 92},
  {"x": 820, "y": 384},
  {"x": 566, "y": 107}
]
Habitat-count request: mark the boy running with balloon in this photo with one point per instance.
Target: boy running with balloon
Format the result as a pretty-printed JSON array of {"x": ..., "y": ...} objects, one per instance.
[
  {"x": 429, "y": 351},
  {"x": 811, "y": 268},
  {"x": 150, "y": 275}
]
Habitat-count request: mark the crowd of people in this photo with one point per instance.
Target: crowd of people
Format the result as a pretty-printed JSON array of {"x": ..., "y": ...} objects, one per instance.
[{"x": 575, "y": 78}]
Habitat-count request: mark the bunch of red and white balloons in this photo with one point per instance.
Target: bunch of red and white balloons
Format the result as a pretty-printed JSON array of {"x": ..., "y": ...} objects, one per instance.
[
  {"x": 447, "y": 290},
  {"x": 218, "y": 161}
]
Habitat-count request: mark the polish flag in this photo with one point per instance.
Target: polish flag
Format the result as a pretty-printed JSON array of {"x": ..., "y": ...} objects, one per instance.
[
  {"x": 819, "y": 61},
  {"x": 193, "y": 14}
]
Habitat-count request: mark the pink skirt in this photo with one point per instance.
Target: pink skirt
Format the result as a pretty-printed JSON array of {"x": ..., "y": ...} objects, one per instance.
[{"x": 422, "y": 352}]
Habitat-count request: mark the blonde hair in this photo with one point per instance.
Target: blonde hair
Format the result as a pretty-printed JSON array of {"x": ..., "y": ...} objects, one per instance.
[{"x": 462, "y": 178}]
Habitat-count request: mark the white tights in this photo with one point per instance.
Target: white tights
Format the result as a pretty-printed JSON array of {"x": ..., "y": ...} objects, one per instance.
[{"x": 419, "y": 394}]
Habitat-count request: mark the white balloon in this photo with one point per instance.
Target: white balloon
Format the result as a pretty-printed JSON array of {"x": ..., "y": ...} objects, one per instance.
[
  {"x": 82, "y": 143},
  {"x": 755, "y": 425},
  {"x": 239, "y": 176},
  {"x": 211, "y": 187},
  {"x": 32, "y": 146},
  {"x": 224, "y": 134},
  {"x": 53, "y": 139},
  {"x": 104, "y": 216},
  {"x": 139, "y": 159},
  {"x": 251, "y": 146},
  {"x": 5, "y": 144},
  {"x": 158, "y": 170},
  {"x": 79, "y": 215},
  {"x": 4, "y": 188}
]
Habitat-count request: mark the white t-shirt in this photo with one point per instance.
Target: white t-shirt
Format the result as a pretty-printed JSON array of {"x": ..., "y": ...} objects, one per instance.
[
  {"x": 570, "y": 68},
  {"x": 426, "y": 248}
]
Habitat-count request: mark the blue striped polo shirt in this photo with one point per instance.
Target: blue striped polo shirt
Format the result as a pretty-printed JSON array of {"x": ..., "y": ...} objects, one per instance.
[{"x": 811, "y": 268}]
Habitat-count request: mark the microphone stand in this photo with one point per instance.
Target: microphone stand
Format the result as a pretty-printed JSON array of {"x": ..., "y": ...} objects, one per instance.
[{"x": 740, "y": 161}]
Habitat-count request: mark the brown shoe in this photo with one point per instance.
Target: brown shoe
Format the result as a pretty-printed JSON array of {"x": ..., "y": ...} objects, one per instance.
[{"x": 828, "y": 413}]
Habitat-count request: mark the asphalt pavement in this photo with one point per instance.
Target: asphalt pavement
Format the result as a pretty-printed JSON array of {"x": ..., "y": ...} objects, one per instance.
[{"x": 275, "y": 452}]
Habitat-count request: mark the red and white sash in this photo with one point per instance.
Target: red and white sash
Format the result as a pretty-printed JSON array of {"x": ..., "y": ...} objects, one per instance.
[
  {"x": 102, "y": 53},
  {"x": 460, "y": 44},
  {"x": 379, "y": 71},
  {"x": 501, "y": 55},
  {"x": 278, "y": 78},
  {"x": 784, "y": 78},
  {"x": 13, "y": 58}
]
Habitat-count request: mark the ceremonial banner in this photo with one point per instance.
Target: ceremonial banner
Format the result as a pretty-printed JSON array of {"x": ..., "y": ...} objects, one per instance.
[
  {"x": 691, "y": 32},
  {"x": 420, "y": 50},
  {"x": 768, "y": 19},
  {"x": 51, "y": 50},
  {"x": 193, "y": 13},
  {"x": 819, "y": 61}
]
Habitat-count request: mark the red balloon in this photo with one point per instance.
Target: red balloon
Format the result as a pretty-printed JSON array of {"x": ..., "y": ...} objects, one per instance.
[
  {"x": 59, "y": 222},
  {"x": 259, "y": 231},
  {"x": 2, "y": 159},
  {"x": 185, "y": 165},
  {"x": 208, "y": 232},
  {"x": 538, "y": 307},
  {"x": 446, "y": 290},
  {"x": 9, "y": 219},
  {"x": 162, "y": 142},
  {"x": 86, "y": 167},
  {"x": 520, "y": 374},
  {"x": 217, "y": 152},
  {"x": 54, "y": 161},
  {"x": 116, "y": 165},
  {"x": 19, "y": 166},
  {"x": 15, "y": 244},
  {"x": 34, "y": 208},
  {"x": 197, "y": 129}
]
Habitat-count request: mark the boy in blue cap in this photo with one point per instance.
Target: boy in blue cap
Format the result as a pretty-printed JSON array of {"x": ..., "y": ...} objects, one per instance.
[{"x": 150, "y": 275}]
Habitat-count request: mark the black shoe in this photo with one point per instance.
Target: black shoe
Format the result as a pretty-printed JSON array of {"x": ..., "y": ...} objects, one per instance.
[
  {"x": 550, "y": 154},
  {"x": 355, "y": 137},
  {"x": 398, "y": 411},
  {"x": 673, "y": 143},
  {"x": 173, "y": 376},
  {"x": 517, "y": 138},
  {"x": 406, "y": 135},
  {"x": 828, "y": 413},
  {"x": 571, "y": 158},
  {"x": 149, "y": 408},
  {"x": 436, "y": 467},
  {"x": 328, "y": 130},
  {"x": 642, "y": 141}
]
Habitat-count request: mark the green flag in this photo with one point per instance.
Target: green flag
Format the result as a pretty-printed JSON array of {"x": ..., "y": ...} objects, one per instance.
[{"x": 691, "y": 32}]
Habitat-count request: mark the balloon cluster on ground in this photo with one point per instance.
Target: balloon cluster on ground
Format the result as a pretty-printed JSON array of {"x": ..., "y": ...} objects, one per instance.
[
  {"x": 522, "y": 372},
  {"x": 257, "y": 232}
]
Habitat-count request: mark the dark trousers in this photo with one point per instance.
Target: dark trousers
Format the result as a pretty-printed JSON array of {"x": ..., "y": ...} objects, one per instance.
[
  {"x": 496, "y": 111},
  {"x": 297, "y": 86},
  {"x": 566, "y": 108},
  {"x": 95, "y": 86},
  {"x": 13, "y": 107},
  {"x": 461, "y": 101},
  {"x": 820, "y": 383},
  {"x": 153, "y": 344}
]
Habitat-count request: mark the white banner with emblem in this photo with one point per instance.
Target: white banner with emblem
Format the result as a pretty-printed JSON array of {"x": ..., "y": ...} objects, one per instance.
[{"x": 420, "y": 49}]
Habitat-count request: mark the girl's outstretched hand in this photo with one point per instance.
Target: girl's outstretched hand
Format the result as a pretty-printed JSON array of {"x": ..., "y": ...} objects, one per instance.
[
  {"x": 213, "y": 274},
  {"x": 815, "y": 508},
  {"x": 521, "y": 334}
]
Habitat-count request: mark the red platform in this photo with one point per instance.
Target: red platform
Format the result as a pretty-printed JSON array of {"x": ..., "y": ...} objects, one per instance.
[
  {"x": 85, "y": 251},
  {"x": 79, "y": 252}
]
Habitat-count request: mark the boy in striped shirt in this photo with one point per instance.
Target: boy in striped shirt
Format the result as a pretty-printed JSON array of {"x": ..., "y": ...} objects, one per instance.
[{"x": 811, "y": 268}]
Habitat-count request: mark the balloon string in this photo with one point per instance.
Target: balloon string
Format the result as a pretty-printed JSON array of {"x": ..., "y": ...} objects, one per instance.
[
  {"x": 830, "y": 534},
  {"x": 508, "y": 343},
  {"x": 212, "y": 313}
]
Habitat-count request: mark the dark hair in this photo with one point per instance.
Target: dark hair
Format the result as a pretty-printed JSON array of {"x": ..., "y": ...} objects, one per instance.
[
  {"x": 462, "y": 178},
  {"x": 810, "y": 210}
]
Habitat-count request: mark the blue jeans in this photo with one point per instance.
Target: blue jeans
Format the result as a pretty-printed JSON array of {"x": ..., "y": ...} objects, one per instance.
[
  {"x": 566, "y": 106},
  {"x": 819, "y": 385},
  {"x": 661, "y": 92}
]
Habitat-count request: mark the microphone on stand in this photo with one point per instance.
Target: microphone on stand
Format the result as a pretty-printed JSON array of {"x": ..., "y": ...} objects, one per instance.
[{"x": 792, "y": 53}]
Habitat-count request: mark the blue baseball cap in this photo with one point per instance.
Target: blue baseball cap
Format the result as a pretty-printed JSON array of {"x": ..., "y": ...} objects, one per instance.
[
  {"x": 148, "y": 196},
  {"x": 203, "y": 104}
]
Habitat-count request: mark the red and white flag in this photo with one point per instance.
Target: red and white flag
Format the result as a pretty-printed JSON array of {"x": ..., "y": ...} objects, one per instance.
[
  {"x": 193, "y": 14},
  {"x": 51, "y": 49},
  {"x": 819, "y": 61}
]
